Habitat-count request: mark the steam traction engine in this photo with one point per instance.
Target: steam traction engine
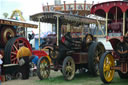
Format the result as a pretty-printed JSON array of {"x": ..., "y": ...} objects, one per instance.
[
  {"x": 67, "y": 52},
  {"x": 12, "y": 33},
  {"x": 115, "y": 13}
]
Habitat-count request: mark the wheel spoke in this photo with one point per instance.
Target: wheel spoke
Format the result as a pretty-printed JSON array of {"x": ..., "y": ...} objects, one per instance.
[
  {"x": 67, "y": 74},
  {"x": 13, "y": 59},
  {"x": 45, "y": 74},
  {"x": 17, "y": 44},
  {"x": 14, "y": 53},
  {"x": 47, "y": 71},
  {"x": 15, "y": 47},
  {"x": 42, "y": 73},
  {"x": 68, "y": 63},
  {"x": 42, "y": 67},
  {"x": 106, "y": 74}
]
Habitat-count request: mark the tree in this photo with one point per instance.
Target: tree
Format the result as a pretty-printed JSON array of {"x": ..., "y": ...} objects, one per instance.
[{"x": 5, "y": 15}]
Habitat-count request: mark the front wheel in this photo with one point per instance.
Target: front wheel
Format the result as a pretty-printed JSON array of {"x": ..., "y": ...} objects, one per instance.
[
  {"x": 95, "y": 52},
  {"x": 43, "y": 68},
  {"x": 68, "y": 68},
  {"x": 106, "y": 62}
]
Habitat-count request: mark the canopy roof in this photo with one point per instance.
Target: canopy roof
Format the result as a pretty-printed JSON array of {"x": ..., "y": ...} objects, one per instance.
[
  {"x": 17, "y": 23},
  {"x": 105, "y": 7},
  {"x": 65, "y": 18}
]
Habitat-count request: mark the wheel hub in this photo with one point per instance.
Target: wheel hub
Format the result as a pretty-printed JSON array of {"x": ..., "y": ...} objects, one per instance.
[
  {"x": 97, "y": 59},
  {"x": 68, "y": 68},
  {"x": 107, "y": 68},
  {"x": 8, "y": 33}
]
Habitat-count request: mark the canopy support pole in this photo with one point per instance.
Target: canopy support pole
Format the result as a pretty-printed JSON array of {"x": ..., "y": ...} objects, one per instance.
[
  {"x": 39, "y": 34},
  {"x": 26, "y": 33},
  {"x": 57, "y": 30},
  {"x": 82, "y": 27},
  {"x": 106, "y": 23},
  {"x": 99, "y": 25},
  {"x": 123, "y": 23}
]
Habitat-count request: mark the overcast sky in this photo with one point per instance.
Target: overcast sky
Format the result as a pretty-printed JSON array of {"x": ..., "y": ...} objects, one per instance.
[{"x": 29, "y": 7}]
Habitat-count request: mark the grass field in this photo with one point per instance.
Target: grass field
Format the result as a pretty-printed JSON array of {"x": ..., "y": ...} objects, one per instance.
[
  {"x": 80, "y": 79},
  {"x": 56, "y": 78}
]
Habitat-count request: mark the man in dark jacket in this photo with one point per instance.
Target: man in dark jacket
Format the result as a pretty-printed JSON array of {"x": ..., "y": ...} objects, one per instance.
[{"x": 23, "y": 55}]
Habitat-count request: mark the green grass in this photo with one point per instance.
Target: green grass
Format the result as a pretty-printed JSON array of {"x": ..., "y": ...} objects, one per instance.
[{"x": 80, "y": 79}]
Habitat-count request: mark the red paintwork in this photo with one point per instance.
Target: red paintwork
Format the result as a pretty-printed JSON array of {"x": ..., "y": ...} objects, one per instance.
[
  {"x": 106, "y": 6},
  {"x": 14, "y": 51},
  {"x": 115, "y": 26},
  {"x": 39, "y": 53},
  {"x": 108, "y": 38},
  {"x": 114, "y": 40},
  {"x": 63, "y": 39}
]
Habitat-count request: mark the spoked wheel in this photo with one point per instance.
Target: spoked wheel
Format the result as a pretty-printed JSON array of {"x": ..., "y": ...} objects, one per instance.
[
  {"x": 12, "y": 48},
  {"x": 123, "y": 75},
  {"x": 106, "y": 62},
  {"x": 68, "y": 68},
  {"x": 43, "y": 68},
  {"x": 6, "y": 33},
  {"x": 94, "y": 54}
]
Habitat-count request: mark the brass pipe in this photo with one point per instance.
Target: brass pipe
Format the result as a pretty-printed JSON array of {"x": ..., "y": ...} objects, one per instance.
[
  {"x": 106, "y": 23},
  {"x": 116, "y": 14},
  {"x": 123, "y": 23},
  {"x": 82, "y": 31},
  {"x": 39, "y": 34},
  {"x": 57, "y": 30},
  {"x": 26, "y": 32}
]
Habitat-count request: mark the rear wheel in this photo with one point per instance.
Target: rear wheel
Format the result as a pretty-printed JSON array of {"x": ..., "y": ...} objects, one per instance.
[
  {"x": 12, "y": 48},
  {"x": 123, "y": 75},
  {"x": 94, "y": 54},
  {"x": 43, "y": 68},
  {"x": 68, "y": 68},
  {"x": 106, "y": 62}
]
